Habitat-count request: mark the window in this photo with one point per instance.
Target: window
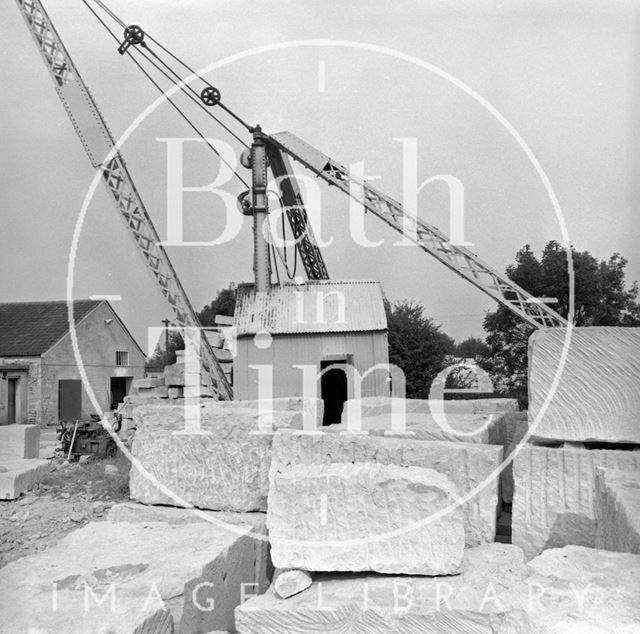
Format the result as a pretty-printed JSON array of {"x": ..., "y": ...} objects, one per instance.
[{"x": 122, "y": 357}]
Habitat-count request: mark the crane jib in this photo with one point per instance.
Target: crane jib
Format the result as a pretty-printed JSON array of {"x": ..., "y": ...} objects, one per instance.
[{"x": 455, "y": 257}]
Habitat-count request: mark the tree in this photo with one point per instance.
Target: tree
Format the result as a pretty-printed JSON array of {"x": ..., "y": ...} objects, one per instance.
[
  {"x": 601, "y": 298},
  {"x": 472, "y": 348},
  {"x": 223, "y": 304},
  {"x": 163, "y": 356},
  {"x": 416, "y": 346}
]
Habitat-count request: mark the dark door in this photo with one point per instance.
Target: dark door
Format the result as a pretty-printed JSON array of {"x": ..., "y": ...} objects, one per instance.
[
  {"x": 119, "y": 389},
  {"x": 69, "y": 399},
  {"x": 333, "y": 389},
  {"x": 12, "y": 386}
]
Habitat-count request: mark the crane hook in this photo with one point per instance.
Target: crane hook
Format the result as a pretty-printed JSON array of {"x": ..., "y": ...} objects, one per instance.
[{"x": 133, "y": 35}]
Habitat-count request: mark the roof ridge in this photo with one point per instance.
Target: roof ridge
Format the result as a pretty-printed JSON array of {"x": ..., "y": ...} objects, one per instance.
[
  {"x": 51, "y": 301},
  {"x": 314, "y": 282}
]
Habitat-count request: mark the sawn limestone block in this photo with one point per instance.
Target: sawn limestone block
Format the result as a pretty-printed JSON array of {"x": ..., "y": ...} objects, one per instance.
[
  {"x": 227, "y": 521},
  {"x": 365, "y": 516},
  {"x": 384, "y": 604},
  {"x": 134, "y": 512},
  {"x": 384, "y": 405},
  {"x": 177, "y": 375},
  {"x": 598, "y": 395},
  {"x": 570, "y": 590},
  {"x": 468, "y": 465},
  {"x": 553, "y": 501},
  {"x": 313, "y": 408},
  {"x": 160, "y": 391},
  {"x": 180, "y": 375},
  {"x": 291, "y": 410},
  {"x": 17, "y": 476},
  {"x": 452, "y": 427},
  {"x": 147, "y": 383},
  {"x": 489, "y": 405},
  {"x": 19, "y": 441},
  {"x": 121, "y": 578},
  {"x": 131, "y": 401},
  {"x": 584, "y": 590},
  {"x": 617, "y": 510},
  {"x": 223, "y": 468}
]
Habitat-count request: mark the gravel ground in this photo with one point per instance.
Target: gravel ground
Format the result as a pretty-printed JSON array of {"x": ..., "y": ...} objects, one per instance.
[{"x": 72, "y": 495}]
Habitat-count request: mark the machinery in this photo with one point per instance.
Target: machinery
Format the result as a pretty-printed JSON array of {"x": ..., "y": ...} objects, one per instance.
[
  {"x": 81, "y": 438},
  {"x": 266, "y": 151}
]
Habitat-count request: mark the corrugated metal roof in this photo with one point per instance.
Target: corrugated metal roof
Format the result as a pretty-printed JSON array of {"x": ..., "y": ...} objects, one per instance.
[
  {"x": 29, "y": 329},
  {"x": 312, "y": 307}
]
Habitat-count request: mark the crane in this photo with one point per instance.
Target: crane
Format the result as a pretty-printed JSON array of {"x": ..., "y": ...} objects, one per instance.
[{"x": 283, "y": 146}]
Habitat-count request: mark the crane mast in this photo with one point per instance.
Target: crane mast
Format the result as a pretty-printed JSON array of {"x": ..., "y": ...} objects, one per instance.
[{"x": 99, "y": 145}]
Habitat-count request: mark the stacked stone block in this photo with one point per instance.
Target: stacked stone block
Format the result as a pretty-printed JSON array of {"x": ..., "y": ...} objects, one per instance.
[
  {"x": 473, "y": 468},
  {"x": 591, "y": 421},
  {"x": 365, "y": 517}
]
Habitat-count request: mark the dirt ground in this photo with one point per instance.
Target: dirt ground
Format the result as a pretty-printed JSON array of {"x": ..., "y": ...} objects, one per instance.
[{"x": 72, "y": 495}]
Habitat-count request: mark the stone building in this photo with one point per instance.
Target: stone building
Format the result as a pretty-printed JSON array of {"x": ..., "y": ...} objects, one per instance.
[
  {"x": 334, "y": 332},
  {"x": 39, "y": 378}
]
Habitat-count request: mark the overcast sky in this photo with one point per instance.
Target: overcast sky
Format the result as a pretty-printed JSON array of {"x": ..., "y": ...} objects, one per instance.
[{"x": 563, "y": 74}]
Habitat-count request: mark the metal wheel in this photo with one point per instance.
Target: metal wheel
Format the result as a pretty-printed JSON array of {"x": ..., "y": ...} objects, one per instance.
[
  {"x": 210, "y": 96},
  {"x": 133, "y": 34}
]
